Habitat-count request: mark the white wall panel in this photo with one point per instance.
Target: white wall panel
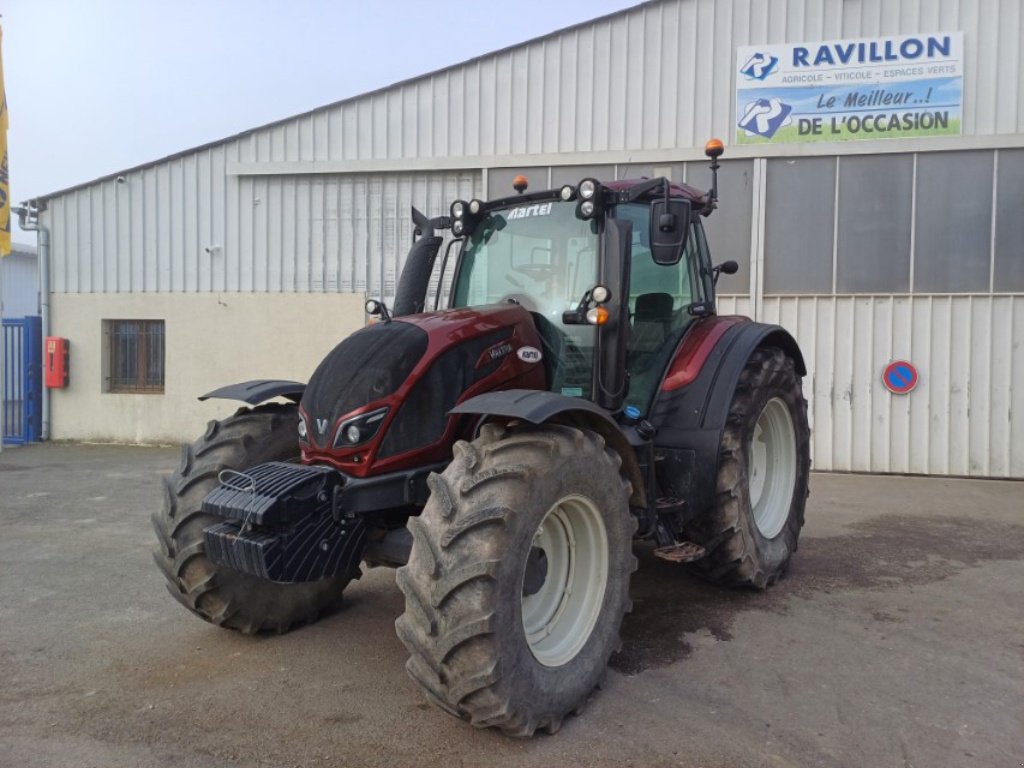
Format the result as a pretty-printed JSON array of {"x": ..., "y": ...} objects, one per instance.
[
  {"x": 964, "y": 417},
  {"x": 264, "y": 233}
]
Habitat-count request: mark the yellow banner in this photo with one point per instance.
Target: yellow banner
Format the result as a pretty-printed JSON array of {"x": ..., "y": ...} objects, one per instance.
[{"x": 5, "y": 187}]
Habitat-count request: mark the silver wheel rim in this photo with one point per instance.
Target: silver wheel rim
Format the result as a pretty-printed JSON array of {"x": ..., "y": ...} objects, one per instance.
[
  {"x": 560, "y": 617},
  {"x": 772, "y": 453}
]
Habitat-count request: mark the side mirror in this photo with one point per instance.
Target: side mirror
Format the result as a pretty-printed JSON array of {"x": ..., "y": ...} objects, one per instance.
[
  {"x": 670, "y": 226},
  {"x": 725, "y": 268}
]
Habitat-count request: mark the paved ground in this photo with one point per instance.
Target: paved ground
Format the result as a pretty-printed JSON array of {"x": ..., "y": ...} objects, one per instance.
[{"x": 896, "y": 640}]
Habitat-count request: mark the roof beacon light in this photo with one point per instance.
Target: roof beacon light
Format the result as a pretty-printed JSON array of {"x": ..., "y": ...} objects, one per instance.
[
  {"x": 713, "y": 149},
  {"x": 519, "y": 183}
]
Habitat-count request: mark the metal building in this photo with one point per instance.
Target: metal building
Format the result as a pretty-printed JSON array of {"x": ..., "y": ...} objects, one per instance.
[
  {"x": 868, "y": 250},
  {"x": 19, "y": 282}
]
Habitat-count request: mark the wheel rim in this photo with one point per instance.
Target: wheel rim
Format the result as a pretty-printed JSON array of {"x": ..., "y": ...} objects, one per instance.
[
  {"x": 559, "y": 618},
  {"x": 772, "y": 453}
]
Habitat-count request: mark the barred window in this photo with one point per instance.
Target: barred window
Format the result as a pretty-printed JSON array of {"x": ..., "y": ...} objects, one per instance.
[{"x": 135, "y": 355}]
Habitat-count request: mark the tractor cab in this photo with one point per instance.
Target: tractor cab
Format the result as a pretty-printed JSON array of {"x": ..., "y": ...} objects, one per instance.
[{"x": 585, "y": 270}]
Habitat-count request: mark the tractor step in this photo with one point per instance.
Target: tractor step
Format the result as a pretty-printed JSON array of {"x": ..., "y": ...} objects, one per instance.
[
  {"x": 683, "y": 552},
  {"x": 668, "y": 505}
]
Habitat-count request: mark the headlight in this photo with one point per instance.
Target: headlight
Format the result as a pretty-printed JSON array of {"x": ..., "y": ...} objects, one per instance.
[
  {"x": 458, "y": 209},
  {"x": 567, "y": 193},
  {"x": 359, "y": 429},
  {"x": 588, "y": 188},
  {"x": 587, "y": 208},
  {"x": 600, "y": 294},
  {"x": 458, "y": 227},
  {"x": 302, "y": 428},
  {"x": 475, "y": 206}
]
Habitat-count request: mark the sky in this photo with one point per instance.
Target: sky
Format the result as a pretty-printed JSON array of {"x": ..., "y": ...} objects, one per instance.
[{"x": 98, "y": 86}]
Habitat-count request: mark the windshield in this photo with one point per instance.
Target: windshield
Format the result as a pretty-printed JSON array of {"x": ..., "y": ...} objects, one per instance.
[{"x": 543, "y": 257}]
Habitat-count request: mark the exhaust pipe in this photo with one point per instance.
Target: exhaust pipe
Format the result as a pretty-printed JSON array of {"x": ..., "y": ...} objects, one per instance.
[{"x": 411, "y": 294}]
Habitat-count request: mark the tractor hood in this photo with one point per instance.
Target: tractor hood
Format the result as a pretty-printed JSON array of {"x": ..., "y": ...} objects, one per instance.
[{"x": 380, "y": 399}]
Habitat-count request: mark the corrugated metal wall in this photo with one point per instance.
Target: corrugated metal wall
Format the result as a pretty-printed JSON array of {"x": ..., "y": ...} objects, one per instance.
[
  {"x": 966, "y": 416},
  {"x": 179, "y": 227},
  {"x": 658, "y": 77},
  {"x": 19, "y": 283}
]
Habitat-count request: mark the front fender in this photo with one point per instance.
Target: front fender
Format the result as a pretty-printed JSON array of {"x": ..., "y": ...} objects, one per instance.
[
  {"x": 258, "y": 390},
  {"x": 540, "y": 407}
]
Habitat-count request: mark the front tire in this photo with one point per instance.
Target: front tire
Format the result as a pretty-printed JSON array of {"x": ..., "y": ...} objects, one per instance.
[
  {"x": 519, "y": 577},
  {"x": 221, "y": 595},
  {"x": 763, "y": 466}
]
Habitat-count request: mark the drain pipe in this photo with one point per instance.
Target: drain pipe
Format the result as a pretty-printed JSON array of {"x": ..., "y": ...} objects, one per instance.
[{"x": 28, "y": 220}]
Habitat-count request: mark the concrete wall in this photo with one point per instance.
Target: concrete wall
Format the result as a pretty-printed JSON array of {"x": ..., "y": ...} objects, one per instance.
[{"x": 211, "y": 340}]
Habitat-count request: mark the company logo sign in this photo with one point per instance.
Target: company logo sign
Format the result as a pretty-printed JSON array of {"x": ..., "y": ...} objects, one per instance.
[
  {"x": 840, "y": 90},
  {"x": 765, "y": 116},
  {"x": 525, "y": 212},
  {"x": 759, "y": 66},
  {"x": 529, "y": 354}
]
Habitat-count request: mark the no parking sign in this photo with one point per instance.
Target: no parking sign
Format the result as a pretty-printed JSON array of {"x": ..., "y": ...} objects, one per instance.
[{"x": 900, "y": 377}]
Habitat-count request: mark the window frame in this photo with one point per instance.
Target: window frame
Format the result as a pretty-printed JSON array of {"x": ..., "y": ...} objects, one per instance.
[{"x": 145, "y": 333}]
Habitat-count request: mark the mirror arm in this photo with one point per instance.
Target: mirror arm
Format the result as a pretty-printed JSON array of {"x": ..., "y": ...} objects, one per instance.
[{"x": 578, "y": 316}]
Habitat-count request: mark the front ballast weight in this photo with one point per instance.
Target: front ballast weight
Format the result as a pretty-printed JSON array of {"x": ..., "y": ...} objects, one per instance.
[{"x": 283, "y": 522}]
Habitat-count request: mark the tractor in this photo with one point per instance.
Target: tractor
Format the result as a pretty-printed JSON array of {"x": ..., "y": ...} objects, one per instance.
[{"x": 574, "y": 396}]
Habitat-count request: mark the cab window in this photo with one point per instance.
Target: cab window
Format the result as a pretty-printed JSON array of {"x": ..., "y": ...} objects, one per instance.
[{"x": 659, "y": 297}]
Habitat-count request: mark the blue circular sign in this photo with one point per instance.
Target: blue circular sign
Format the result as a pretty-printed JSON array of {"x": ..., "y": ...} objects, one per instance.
[{"x": 900, "y": 377}]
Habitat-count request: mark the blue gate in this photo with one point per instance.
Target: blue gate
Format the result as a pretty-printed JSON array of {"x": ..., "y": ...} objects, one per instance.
[{"x": 22, "y": 385}]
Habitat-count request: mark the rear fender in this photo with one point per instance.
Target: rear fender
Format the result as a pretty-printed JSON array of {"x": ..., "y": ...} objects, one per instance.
[
  {"x": 542, "y": 407},
  {"x": 258, "y": 391},
  {"x": 693, "y": 402}
]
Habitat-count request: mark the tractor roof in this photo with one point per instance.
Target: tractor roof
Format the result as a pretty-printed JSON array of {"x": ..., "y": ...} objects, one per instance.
[{"x": 675, "y": 190}]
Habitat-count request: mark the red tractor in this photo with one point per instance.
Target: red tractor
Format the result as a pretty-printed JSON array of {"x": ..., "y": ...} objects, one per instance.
[{"x": 578, "y": 395}]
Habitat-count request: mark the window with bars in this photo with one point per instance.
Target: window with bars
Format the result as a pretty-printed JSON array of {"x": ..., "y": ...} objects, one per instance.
[{"x": 135, "y": 356}]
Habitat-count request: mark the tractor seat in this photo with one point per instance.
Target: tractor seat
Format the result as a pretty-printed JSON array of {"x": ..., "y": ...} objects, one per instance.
[{"x": 652, "y": 321}]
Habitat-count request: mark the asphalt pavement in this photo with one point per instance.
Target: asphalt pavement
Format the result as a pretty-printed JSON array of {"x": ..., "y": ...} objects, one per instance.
[{"x": 896, "y": 639}]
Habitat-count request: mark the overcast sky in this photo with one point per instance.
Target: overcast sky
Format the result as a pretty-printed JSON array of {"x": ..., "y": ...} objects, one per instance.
[{"x": 97, "y": 86}]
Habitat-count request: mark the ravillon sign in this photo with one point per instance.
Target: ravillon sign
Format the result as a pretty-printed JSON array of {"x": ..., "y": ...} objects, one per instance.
[{"x": 871, "y": 88}]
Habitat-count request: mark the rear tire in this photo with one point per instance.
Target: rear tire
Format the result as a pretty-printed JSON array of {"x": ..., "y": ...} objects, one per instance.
[
  {"x": 221, "y": 595},
  {"x": 763, "y": 466},
  {"x": 481, "y": 649}
]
